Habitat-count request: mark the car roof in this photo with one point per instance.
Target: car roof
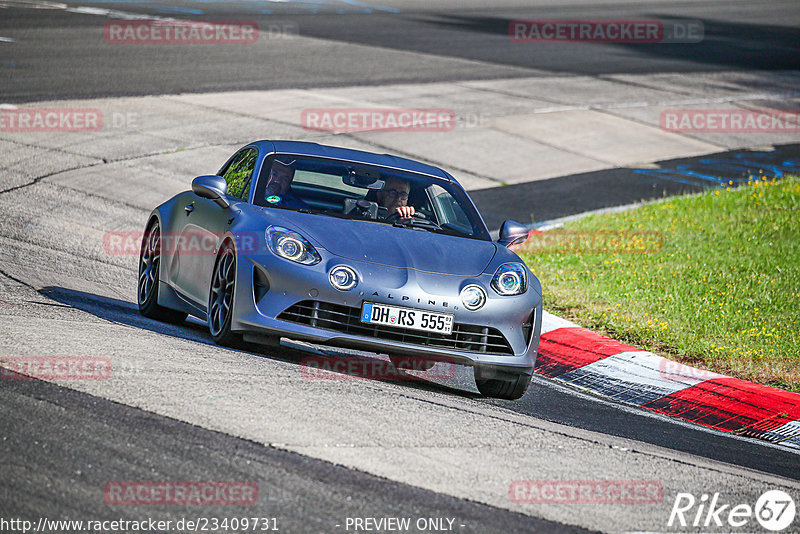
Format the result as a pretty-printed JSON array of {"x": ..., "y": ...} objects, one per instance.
[{"x": 302, "y": 148}]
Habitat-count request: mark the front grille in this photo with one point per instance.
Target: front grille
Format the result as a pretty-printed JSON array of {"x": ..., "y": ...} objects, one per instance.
[{"x": 347, "y": 320}]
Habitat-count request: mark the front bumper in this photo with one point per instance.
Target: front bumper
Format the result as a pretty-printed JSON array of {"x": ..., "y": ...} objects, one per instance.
[{"x": 275, "y": 296}]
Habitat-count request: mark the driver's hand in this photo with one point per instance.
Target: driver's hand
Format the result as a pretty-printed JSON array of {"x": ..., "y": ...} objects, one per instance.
[{"x": 405, "y": 212}]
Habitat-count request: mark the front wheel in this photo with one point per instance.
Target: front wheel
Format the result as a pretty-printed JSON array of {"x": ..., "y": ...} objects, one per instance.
[
  {"x": 501, "y": 385},
  {"x": 220, "y": 299}
]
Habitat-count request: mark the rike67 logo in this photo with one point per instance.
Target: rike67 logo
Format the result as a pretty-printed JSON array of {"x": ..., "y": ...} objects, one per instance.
[{"x": 774, "y": 511}]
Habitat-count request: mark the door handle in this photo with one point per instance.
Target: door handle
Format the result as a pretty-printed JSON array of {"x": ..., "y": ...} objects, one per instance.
[{"x": 189, "y": 208}]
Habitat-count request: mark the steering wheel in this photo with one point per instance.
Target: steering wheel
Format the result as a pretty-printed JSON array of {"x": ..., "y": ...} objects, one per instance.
[
  {"x": 396, "y": 216},
  {"x": 393, "y": 217}
]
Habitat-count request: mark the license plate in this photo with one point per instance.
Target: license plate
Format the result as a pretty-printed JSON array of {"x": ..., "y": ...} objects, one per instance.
[{"x": 414, "y": 319}]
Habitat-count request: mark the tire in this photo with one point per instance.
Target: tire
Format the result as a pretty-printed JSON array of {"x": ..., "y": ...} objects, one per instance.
[
  {"x": 502, "y": 385},
  {"x": 220, "y": 299},
  {"x": 149, "y": 278},
  {"x": 412, "y": 363}
]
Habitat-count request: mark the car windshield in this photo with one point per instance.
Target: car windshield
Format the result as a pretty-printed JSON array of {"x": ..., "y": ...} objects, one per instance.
[{"x": 369, "y": 193}]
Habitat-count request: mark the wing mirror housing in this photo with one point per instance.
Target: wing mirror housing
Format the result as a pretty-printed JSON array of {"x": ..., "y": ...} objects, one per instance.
[
  {"x": 211, "y": 187},
  {"x": 512, "y": 233}
]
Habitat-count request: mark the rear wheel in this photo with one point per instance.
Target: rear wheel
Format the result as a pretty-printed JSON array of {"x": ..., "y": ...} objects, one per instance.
[
  {"x": 410, "y": 363},
  {"x": 149, "y": 278},
  {"x": 501, "y": 385},
  {"x": 220, "y": 300}
]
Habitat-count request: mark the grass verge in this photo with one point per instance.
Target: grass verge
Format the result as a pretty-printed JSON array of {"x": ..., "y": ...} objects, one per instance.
[{"x": 710, "y": 280}]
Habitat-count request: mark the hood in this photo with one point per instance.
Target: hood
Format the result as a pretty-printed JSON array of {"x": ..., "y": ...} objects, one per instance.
[{"x": 391, "y": 246}]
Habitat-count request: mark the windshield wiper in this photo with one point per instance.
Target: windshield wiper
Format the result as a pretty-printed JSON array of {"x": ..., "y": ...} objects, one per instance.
[
  {"x": 319, "y": 212},
  {"x": 421, "y": 223},
  {"x": 426, "y": 224}
]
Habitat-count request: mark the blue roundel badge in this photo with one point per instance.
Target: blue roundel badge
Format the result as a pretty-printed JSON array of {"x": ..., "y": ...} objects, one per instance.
[{"x": 273, "y": 199}]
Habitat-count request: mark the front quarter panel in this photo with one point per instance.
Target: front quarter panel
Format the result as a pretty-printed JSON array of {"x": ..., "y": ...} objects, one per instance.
[
  {"x": 167, "y": 219},
  {"x": 168, "y": 296}
]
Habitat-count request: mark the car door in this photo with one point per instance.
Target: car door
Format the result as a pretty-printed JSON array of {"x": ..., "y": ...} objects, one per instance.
[{"x": 203, "y": 224}]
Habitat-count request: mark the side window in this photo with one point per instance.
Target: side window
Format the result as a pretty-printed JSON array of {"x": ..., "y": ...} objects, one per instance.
[
  {"x": 449, "y": 210},
  {"x": 238, "y": 174}
]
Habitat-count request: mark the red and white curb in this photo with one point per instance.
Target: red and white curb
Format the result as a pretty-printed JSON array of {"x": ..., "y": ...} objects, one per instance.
[{"x": 574, "y": 355}]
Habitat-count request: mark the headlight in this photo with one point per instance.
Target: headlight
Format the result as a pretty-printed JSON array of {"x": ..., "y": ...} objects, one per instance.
[
  {"x": 291, "y": 246},
  {"x": 510, "y": 279},
  {"x": 473, "y": 297},
  {"x": 343, "y": 278}
]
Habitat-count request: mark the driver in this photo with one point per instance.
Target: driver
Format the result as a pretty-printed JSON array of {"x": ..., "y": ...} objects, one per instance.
[
  {"x": 279, "y": 186},
  {"x": 394, "y": 197}
]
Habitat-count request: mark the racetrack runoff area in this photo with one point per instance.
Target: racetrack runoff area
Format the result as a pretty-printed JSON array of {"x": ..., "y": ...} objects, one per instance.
[{"x": 63, "y": 191}]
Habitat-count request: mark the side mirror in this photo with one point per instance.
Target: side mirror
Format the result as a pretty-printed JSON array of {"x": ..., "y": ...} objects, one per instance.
[
  {"x": 512, "y": 233},
  {"x": 211, "y": 187}
]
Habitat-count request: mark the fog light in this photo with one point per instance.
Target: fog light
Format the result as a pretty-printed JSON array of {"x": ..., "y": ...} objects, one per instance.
[
  {"x": 343, "y": 278},
  {"x": 473, "y": 297}
]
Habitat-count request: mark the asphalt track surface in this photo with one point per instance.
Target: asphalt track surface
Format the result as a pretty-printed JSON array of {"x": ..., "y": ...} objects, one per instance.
[
  {"x": 546, "y": 200},
  {"x": 51, "y": 433},
  {"x": 63, "y": 55},
  {"x": 545, "y": 400},
  {"x": 42, "y": 421}
]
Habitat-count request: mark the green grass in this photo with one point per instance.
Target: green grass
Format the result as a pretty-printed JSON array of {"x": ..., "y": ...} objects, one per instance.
[{"x": 711, "y": 280}]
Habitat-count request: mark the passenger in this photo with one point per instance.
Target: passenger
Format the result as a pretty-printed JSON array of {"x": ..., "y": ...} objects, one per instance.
[
  {"x": 279, "y": 186},
  {"x": 394, "y": 197}
]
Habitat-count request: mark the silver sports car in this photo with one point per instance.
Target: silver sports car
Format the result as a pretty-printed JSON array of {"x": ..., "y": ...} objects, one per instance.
[{"x": 345, "y": 248}]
